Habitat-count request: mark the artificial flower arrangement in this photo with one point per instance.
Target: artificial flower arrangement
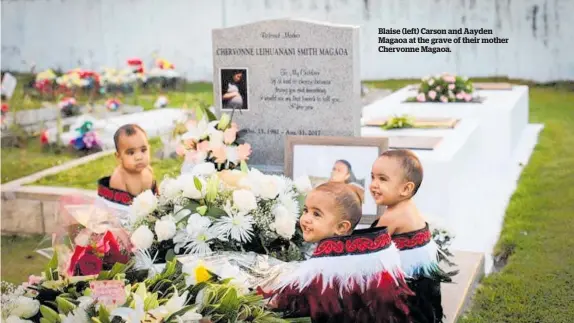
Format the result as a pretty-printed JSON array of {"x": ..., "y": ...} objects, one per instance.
[
  {"x": 163, "y": 74},
  {"x": 216, "y": 141},
  {"x": 4, "y": 111},
  {"x": 113, "y": 104},
  {"x": 45, "y": 82},
  {"x": 104, "y": 280},
  {"x": 87, "y": 140},
  {"x": 79, "y": 79},
  {"x": 69, "y": 107},
  {"x": 444, "y": 88},
  {"x": 205, "y": 211},
  {"x": 121, "y": 81}
]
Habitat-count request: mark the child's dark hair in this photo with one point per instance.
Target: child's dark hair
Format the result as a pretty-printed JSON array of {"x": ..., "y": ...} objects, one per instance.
[
  {"x": 127, "y": 130},
  {"x": 413, "y": 170},
  {"x": 348, "y": 198}
]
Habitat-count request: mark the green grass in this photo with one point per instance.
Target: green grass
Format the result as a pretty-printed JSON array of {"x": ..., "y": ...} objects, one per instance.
[
  {"x": 86, "y": 176},
  {"x": 20, "y": 162},
  {"x": 19, "y": 258},
  {"x": 536, "y": 283}
]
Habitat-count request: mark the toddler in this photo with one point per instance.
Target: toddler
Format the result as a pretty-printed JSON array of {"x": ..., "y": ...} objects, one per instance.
[
  {"x": 395, "y": 178},
  {"x": 133, "y": 175},
  {"x": 350, "y": 277}
]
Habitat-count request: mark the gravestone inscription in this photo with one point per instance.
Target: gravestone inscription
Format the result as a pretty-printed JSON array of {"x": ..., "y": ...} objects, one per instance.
[{"x": 287, "y": 77}]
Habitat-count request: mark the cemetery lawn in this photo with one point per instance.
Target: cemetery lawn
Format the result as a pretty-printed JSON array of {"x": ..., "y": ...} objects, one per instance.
[
  {"x": 20, "y": 162},
  {"x": 86, "y": 176},
  {"x": 536, "y": 283},
  {"x": 19, "y": 259},
  {"x": 190, "y": 93}
]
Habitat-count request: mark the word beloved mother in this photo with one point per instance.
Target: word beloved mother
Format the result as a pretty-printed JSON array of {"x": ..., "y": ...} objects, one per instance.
[{"x": 282, "y": 51}]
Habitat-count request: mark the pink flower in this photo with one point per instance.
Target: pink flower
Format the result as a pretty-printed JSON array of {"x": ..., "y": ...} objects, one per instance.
[
  {"x": 34, "y": 280},
  {"x": 229, "y": 135},
  {"x": 443, "y": 99},
  {"x": 180, "y": 150},
  {"x": 189, "y": 143},
  {"x": 195, "y": 157},
  {"x": 243, "y": 152},
  {"x": 432, "y": 94},
  {"x": 438, "y": 88},
  {"x": 467, "y": 97},
  {"x": 449, "y": 78},
  {"x": 219, "y": 154},
  {"x": 460, "y": 95},
  {"x": 421, "y": 97},
  {"x": 203, "y": 146},
  {"x": 451, "y": 87}
]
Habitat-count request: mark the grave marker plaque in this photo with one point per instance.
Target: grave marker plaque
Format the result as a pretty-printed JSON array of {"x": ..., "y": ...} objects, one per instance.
[{"x": 287, "y": 77}]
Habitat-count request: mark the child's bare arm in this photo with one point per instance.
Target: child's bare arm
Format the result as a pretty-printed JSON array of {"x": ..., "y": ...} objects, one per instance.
[
  {"x": 388, "y": 221},
  {"x": 117, "y": 181}
]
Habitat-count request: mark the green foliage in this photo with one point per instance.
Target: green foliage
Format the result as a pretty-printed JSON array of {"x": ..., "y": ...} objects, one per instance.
[
  {"x": 398, "y": 123},
  {"x": 223, "y": 302}
]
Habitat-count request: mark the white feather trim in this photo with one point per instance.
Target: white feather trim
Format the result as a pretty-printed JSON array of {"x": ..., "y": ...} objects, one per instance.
[
  {"x": 421, "y": 258},
  {"x": 345, "y": 270}
]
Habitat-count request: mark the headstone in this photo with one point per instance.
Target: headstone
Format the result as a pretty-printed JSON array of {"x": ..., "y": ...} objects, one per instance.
[
  {"x": 8, "y": 85},
  {"x": 294, "y": 77}
]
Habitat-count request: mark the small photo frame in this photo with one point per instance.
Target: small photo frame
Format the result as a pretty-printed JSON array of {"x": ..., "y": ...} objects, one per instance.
[
  {"x": 234, "y": 89},
  {"x": 347, "y": 159}
]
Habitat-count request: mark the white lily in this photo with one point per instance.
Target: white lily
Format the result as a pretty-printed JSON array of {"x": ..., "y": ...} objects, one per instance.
[
  {"x": 131, "y": 315},
  {"x": 174, "y": 304}
]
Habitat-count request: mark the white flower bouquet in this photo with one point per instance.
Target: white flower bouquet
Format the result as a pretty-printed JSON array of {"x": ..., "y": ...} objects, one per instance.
[
  {"x": 214, "y": 141},
  {"x": 205, "y": 211}
]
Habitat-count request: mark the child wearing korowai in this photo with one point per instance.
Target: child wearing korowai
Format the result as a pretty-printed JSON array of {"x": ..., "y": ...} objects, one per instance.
[
  {"x": 350, "y": 278},
  {"x": 133, "y": 175},
  {"x": 396, "y": 177}
]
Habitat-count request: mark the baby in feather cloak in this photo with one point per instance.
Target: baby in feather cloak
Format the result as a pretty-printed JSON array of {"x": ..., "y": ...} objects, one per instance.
[
  {"x": 395, "y": 178},
  {"x": 350, "y": 277}
]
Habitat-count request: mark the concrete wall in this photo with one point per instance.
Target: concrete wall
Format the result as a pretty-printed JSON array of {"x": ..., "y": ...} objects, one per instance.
[{"x": 96, "y": 33}]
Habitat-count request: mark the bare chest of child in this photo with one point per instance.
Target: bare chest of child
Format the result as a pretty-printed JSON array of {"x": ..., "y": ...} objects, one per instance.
[
  {"x": 402, "y": 220},
  {"x": 133, "y": 183}
]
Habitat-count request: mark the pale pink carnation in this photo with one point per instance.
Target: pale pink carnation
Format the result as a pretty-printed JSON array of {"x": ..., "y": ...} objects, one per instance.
[
  {"x": 34, "y": 280},
  {"x": 432, "y": 94},
  {"x": 467, "y": 97},
  {"x": 180, "y": 150},
  {"x": 438, "y": 88},
  {"x": 451, "y": 87},
  {"x": 460, "y": 95},
  {"x": 189, "y": 143},
  {"x": 443, "y": 99},
  {"x": 421, "y": 97},
  {"x": 203, "y": 146},
  {"x": 229, "y": 135},
  {"x": 243, "y": 152},
  {"x": 219, "y": 154}
]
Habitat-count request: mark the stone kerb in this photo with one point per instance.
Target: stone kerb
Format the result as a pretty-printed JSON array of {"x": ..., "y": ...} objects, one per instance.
[{"x": 32, "y": 209}]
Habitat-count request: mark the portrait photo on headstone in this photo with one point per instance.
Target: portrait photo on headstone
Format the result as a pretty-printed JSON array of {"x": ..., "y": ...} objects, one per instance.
[
  {"x": 336, "y": 159},
  {"x": 234, "y": 93}
]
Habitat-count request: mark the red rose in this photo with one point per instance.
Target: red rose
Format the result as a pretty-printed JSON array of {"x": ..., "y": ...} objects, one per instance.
[
  {"x": 79, "y": 252},
  {"x": 90, "y": 264}
]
